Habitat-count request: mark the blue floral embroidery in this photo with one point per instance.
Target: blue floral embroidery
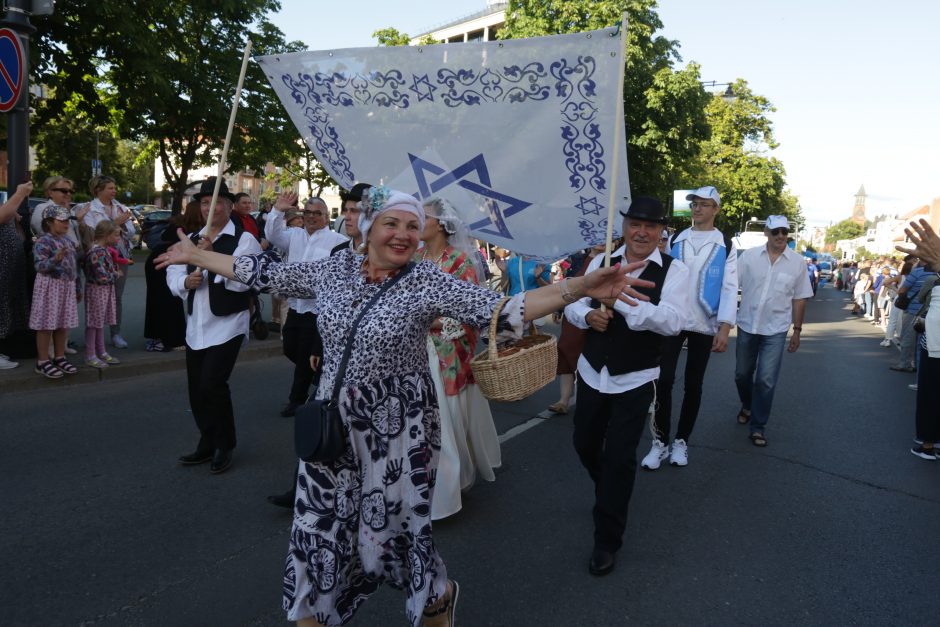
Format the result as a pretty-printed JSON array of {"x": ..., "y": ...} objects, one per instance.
[{"x": 571, "y": 82}]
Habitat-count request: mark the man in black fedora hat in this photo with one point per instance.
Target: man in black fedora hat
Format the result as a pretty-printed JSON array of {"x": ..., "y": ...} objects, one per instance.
[
  {"x": 618, "y": 369},
  {"x": 216, "y": 327}
]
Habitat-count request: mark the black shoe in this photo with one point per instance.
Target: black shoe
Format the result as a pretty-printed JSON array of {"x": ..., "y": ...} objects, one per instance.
[
  {"x": 602, "y": 562},
  {"x": 274, "y": 327},
  {"x": 196, "y": 457},
  {"x": 902, "y": 368},
  {"x": 289, "y": 409},
  {"x": 221, "y": 460},
  {"x": 285, "y": 500}
]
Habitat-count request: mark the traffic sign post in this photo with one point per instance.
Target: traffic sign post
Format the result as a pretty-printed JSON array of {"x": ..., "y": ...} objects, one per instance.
[{"x": 14, "y": 87}]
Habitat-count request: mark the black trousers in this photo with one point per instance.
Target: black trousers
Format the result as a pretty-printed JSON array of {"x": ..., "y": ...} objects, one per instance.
[
  {"x": 207, "y": 373},
  {"x": 301, "y": 339},
  {"x": 927, "y": 412},
  {"x": 607, "y": 430},
  {"x": 700, "y": 349}
]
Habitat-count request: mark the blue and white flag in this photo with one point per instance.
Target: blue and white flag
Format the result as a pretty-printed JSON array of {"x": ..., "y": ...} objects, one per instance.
[{"x": 517, "y": 134}]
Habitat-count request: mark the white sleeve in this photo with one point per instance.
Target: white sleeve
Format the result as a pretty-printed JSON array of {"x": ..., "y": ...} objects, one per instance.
[
  {"x": 276, "y": 231},
  {"x": 175, "y": 277},
  {"x": 668, "y": 317},
  {"x": 728, "y": 303}
]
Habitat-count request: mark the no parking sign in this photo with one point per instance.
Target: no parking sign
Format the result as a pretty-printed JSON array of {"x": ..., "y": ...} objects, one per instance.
[{"x": 11, "y": 69}]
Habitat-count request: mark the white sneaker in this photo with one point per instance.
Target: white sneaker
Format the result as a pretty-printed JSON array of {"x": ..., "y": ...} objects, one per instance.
[
  {"x": 679, "y": 453},
  {"x": 6, "y": 363},
  {"x": 886, "y": 343},
  {"x": 117, "y": 341},
  {"x": 658, "y": 452}
]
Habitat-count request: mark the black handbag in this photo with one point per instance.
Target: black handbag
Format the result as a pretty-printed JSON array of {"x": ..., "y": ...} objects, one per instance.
[
  {"x": 318, "y": 427},
  {"x": 902, "y": 301}
]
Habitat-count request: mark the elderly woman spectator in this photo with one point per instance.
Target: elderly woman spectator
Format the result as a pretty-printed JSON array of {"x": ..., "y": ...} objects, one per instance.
[
  {"x": 59, "y": 190},
  {"x": 365, "y": 518},
  {"x": 104, "y": 206},
  {"x": 14, "y": 299}
]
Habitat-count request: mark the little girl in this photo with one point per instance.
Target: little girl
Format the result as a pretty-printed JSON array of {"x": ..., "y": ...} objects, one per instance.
[
  {"x": 56, "y": 293},
  {"x": 100, "y": 300}
]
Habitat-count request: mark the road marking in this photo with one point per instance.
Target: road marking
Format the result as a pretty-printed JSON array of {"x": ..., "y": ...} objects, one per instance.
[{"x": 534, "y": 421}]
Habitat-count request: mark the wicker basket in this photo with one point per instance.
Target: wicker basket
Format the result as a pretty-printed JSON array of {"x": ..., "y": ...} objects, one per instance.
[{"x": 516, "y": 371}]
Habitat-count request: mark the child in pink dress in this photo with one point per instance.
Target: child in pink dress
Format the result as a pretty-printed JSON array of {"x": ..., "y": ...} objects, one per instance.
[
  {"x": 100, "y": 300},
  {"x": 56, "y": 293}
]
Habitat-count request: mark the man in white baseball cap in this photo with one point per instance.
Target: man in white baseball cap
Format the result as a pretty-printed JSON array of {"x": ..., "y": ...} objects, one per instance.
[
  {"x": 713, "y": 299},
  {"x": 774, "y": 288}
]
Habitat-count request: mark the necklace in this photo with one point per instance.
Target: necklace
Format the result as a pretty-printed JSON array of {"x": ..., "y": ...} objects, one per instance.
[{"x": 439, "y": 262}]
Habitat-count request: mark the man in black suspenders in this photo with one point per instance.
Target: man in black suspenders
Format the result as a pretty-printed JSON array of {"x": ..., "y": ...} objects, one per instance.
[
  {"x": 216, "y": 327},
  {"x": 618, "y": 369}
]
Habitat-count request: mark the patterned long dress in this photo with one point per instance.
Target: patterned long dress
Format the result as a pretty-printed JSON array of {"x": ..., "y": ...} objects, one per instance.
[
  {"x": 365, "y": 519},
  {"x": 469, "y": 440}
]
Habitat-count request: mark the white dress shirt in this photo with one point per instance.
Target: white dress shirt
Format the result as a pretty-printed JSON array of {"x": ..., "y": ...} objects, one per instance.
[
  {"x": 666, "y": 318},
  {"x": 300, "y": 246},
  {"x": 203, "y": 328},
  {"x": 768, "y": 290}
]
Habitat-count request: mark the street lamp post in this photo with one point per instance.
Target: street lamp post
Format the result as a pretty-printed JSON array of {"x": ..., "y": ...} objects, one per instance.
[{"x": 728, "y": 95}]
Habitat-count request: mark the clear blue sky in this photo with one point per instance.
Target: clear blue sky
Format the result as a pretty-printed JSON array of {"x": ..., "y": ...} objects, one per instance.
[{"x": 856, "y": 83}]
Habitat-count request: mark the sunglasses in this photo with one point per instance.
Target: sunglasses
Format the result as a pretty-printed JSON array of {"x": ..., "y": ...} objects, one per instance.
[
  {"x": 779, "y": 231},
  {"x": 63, "y": 190}
]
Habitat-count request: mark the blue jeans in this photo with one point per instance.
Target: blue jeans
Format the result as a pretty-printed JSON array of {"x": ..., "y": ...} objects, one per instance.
[{"x": 760, "y": 354}]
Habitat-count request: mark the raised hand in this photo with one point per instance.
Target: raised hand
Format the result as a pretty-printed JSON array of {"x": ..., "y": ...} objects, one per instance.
[
  {"x": 926, "y": 243},
  {"x": 613, "y": 282},
  {"x": 285, "y": 200},
  {"x": 179, "y": 253}
]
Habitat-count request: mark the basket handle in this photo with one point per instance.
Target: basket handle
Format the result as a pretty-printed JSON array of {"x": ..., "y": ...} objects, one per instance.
[{"x": 494, "y": 321}]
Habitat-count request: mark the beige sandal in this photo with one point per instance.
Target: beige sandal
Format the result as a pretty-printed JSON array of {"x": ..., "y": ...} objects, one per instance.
[
  {"x": 448, "y": 605},
  {"x": 558, "y": 408}
]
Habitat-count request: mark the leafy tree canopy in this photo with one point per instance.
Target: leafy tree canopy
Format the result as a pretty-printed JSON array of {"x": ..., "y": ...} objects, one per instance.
[
  {"x": 165, "y": 73},
  {"x": 847, "y": 229}
]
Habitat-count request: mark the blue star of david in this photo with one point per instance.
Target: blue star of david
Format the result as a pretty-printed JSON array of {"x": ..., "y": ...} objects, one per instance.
[
  {"x": 589, "y": 205},
  {"x": 495, "y": 222},
  {"x": 423, "y": 87}
]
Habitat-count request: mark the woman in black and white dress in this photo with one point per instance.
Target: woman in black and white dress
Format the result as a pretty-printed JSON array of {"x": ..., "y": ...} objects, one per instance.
[{"x": 365, "y": 519}]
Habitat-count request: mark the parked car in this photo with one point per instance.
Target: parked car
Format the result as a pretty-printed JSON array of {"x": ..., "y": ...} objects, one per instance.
[{"x": 153, "y": 223}]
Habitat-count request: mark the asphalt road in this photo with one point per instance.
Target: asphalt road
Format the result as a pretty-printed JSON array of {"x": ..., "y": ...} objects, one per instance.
[{"x": 833, "y": 524}]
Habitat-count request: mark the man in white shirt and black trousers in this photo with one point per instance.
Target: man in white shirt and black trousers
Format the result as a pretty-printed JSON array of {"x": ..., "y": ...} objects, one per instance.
[
  {"x": 713, "y": 302},
  {"x": 313, "y": 241},
  {"x": 216, "y": 328},
  {"x": 618, "y": 369}
]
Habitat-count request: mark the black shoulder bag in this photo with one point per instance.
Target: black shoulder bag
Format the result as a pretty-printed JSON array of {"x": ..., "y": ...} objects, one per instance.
[{"x": 318, "y": 427}]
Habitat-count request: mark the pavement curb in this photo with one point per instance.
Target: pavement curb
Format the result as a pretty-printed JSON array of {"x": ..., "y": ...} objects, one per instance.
[{"x": 136, "y": 364}]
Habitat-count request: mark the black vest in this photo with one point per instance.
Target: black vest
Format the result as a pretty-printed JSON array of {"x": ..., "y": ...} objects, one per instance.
[
  {"x": 620, "y": 348},
  {"x": 222, "y": 302}
]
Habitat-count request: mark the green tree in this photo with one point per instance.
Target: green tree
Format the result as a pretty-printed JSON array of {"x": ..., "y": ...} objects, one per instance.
[
  {"x": 664, "y": 108},
  {"x": 165, "y": 73},
  {"x": 736, "y": 159},
  {"x": 847, "y": 229},
  {"x": 391, "y": 37}
]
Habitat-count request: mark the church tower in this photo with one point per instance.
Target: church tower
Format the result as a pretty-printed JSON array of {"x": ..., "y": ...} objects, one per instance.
[{"x": 858, "y": 211}]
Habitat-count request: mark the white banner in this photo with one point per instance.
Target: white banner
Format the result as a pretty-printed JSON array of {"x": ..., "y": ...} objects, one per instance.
[{"x": 516, "y": 134}]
